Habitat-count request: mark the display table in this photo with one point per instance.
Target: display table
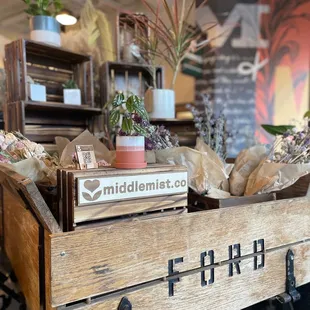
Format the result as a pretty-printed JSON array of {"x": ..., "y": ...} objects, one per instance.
[{"x": 227, "y": 258}]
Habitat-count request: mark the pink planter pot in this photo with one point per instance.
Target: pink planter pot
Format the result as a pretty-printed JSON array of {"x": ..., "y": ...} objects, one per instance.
[{"x": 130, "y": 152}]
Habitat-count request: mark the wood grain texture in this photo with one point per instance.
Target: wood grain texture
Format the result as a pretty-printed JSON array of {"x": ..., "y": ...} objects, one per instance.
[
  {"x": 207, "y": 203},
  {"x": 118, "y": 208},
  {"x": 26, "y": 191},
  {"x": 47, "y": 270},
  {"x": 21, "y": 244},
  {"x": 299, "y": 189},
  {"x": 234, "y": 293},
  {"x": 126, "y": 254}
]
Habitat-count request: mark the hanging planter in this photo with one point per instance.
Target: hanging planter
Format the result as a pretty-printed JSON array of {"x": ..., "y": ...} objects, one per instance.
[
  {"x": 43, "y": 25},
  {"x": 130, "y": 144}
]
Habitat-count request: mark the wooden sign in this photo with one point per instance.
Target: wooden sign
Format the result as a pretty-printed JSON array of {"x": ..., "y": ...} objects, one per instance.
[
  {"x": 120, "y": 187},
  {"x": 88, "y": 195}
]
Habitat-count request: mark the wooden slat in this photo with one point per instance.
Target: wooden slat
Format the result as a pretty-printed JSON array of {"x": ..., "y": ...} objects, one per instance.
[
  {"x": 233, "y": 293},
  {"x": 16, "y": 71},
  {"x": 49, "y": 51},
  {"x": 23, "y": 70},
  {"x": 44, "y": 73},
  {"x": 55, "y": 106},
  {"x": 47, "y": 270},
  {"x": 9, "y": 77},
  {"x": 21, "y": 243},
  {"x": 55, "y": 118},
  {"x": 109, "y": 263},
  {"x": 83, "y": 214},
  {"x": 207, "y": 203}
]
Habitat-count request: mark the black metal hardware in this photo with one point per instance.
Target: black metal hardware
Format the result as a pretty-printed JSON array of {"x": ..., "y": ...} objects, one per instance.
[
  {"x": 291, "y": 295},
  {"x": 172, "y": 272},
  {"x": 237, "y": 249},
  {"x": 260, "y": 242},
  {"x": 125, "y": 304}
]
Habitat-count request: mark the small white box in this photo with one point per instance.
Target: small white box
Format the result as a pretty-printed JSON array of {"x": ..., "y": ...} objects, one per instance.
[
  {"x": 72, "y": 96},
  {"x": 37, "y": 92}
]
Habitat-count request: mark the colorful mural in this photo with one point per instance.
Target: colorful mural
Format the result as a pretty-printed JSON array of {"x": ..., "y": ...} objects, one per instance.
[
  {"x": 259, "y": 70},
  {"x": 282, "y": 86}
]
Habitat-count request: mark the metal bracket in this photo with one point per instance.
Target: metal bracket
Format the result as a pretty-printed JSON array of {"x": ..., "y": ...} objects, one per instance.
[
  {"x": 291, "y": 295},
  {"x": 125, "y": 304}
]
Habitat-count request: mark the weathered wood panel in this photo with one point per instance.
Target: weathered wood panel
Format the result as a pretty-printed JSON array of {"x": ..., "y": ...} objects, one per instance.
[
  {"x": 25, "y": 191},
  {"x": 118, "y": 208},
  {"x": 233, "y": 293},
  {"x": 21, "y": 244},
  {"x": 127, "y": 254}
]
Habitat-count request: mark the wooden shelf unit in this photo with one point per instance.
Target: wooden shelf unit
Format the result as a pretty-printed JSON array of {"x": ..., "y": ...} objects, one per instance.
[
  {"x": 41, "y": 121},
  {"x": 52, "y": 67},
  {"x": 136, "y": 73},
  {"x": 49, "y": 66}
]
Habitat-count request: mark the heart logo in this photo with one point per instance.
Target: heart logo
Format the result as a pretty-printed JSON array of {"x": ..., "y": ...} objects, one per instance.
[{"x": 92, "y": 185}]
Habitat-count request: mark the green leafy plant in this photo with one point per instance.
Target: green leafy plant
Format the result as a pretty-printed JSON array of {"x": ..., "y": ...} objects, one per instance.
[
  {"x": 277, "y": 130},
  {"x": 43, "y": 7},
  {"x": 70, "y": 85},
  {"x": 128, "y": 113},
  {"x": 171, "y": 38}
]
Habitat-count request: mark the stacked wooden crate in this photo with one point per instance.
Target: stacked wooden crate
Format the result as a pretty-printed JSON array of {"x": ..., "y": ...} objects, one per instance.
[{"x": 49, "y": 66}]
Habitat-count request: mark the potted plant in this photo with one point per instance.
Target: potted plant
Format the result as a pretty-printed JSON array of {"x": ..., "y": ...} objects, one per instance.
[
  {"x": 43, "y": 25},
  {"x": 130, "y": 144},
  {"x": 170, "y": 40},
  {"x": 36, "y": 92},
  {"x": 72, "y": 94}
]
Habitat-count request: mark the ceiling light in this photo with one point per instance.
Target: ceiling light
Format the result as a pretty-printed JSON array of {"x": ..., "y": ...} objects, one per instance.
[{"x": 66, "y": 18}]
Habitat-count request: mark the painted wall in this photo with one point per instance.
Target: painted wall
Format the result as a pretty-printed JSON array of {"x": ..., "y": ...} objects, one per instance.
[{"x": 259, "y": 71}]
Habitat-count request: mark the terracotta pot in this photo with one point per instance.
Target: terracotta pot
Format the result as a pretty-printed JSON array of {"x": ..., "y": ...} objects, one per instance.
[{"x": 130, "y": 152}]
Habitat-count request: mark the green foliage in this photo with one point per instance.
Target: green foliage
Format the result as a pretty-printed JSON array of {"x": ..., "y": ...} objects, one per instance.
[
  {"x": 43, "y": 7},
  {"x": 277, "y": 130},
  {"x": 128, "y": 112},
  {"x": 70, "y": 85},
  {"x": 307, "y": 114}
]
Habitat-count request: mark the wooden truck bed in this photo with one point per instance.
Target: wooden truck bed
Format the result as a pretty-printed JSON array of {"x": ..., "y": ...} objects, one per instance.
[{"x": 227, "y": 258}]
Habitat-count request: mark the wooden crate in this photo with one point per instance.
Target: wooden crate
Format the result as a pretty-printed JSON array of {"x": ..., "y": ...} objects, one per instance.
[
  {"x": 49, "y": 66},
  {"x": 41, "y": 122},
  {"x": 162, "y": 263},
  {"x": 198, "y": 202},
  {"x": 126, "y": 77},
  {"x": 100, "y": 194},
  {"x": 298, "y": 189}
]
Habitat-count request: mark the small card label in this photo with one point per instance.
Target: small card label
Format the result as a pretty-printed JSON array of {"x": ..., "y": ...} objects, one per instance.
[{"x": 86, "y": 157}]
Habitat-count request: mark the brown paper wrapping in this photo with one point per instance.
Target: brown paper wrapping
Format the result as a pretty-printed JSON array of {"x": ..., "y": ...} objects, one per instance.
[
  {"x": 246, "y": 162},
  {"x": 271, "y": 177},
  {"x": 36, "y": 170},
  {"x": 206, "y": 172},
  {"x": 85, "y": 138}
]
